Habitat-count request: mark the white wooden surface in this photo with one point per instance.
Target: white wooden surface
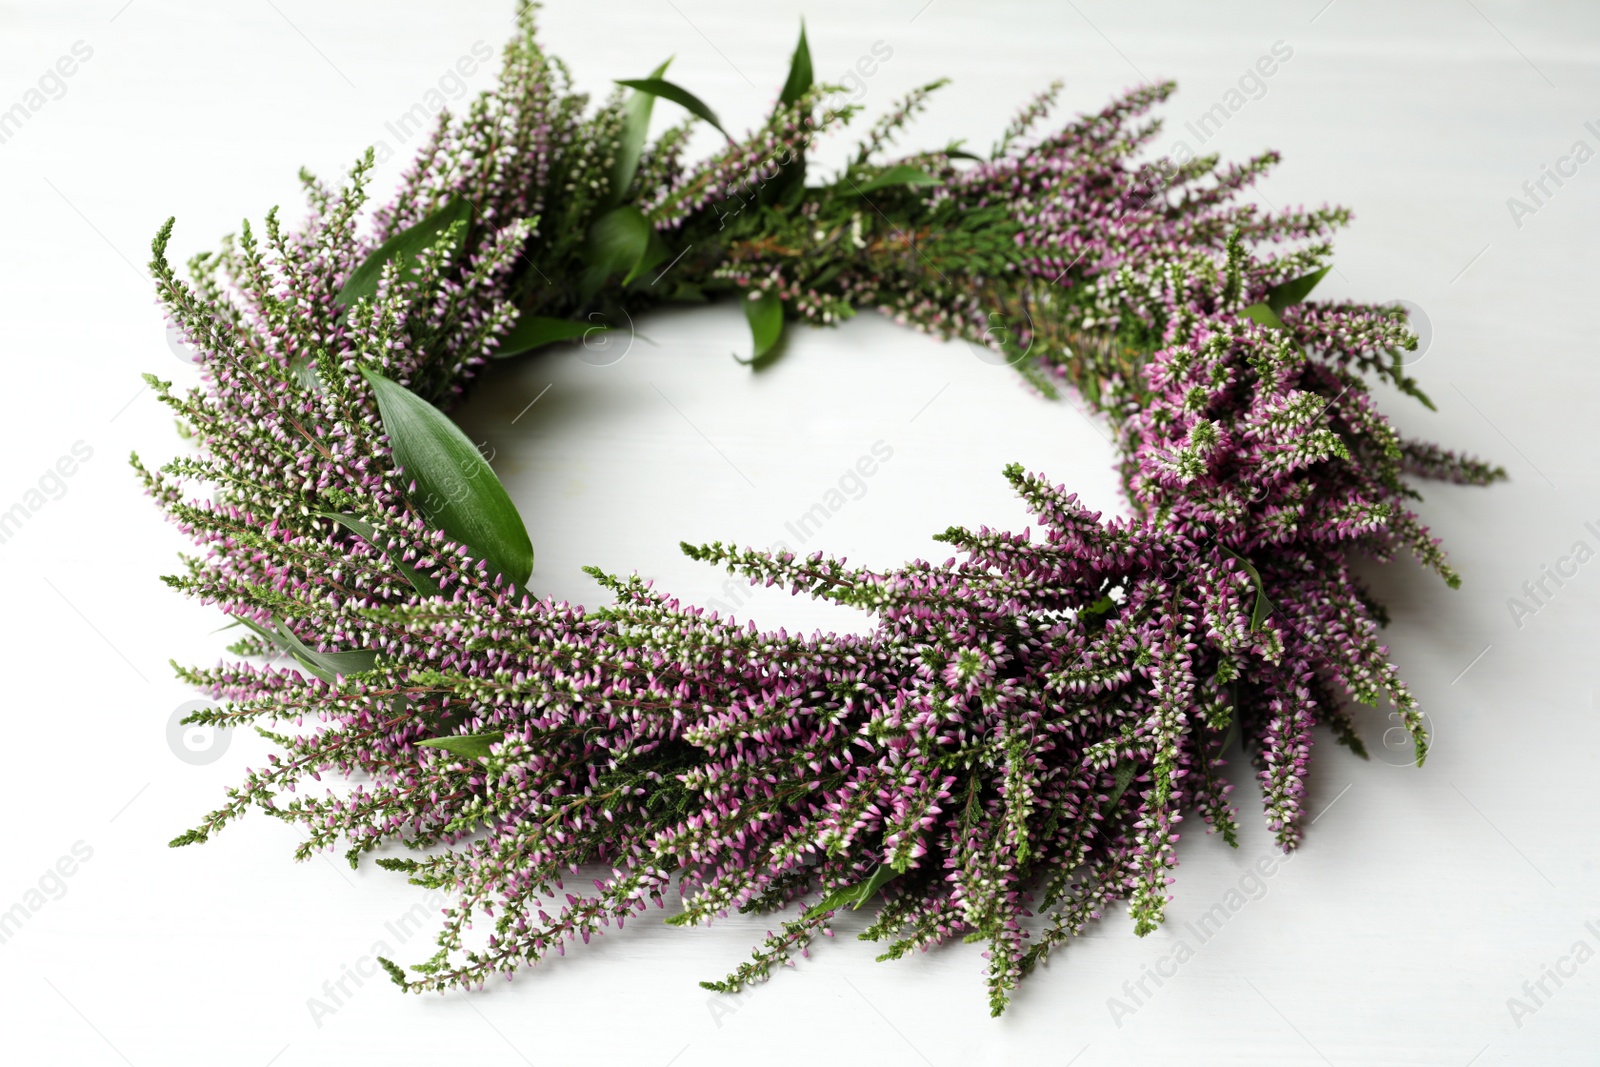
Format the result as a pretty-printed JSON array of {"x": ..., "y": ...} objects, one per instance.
[{"x": 1422, "y": 900}]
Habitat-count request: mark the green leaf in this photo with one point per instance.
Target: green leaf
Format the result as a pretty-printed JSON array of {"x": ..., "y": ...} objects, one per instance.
[
  {"x": 880, "y": 878},
  {"x": 789, "y": 183},
  {"x": 678, "y": 95},
  {"x": 1122, "y": 778},
  {"x": 630, "y": 143},
  {"x": 854, "y": 896},
  {"x": 325, "y": 665},
  {"x": 766, "y": 321},
  {"x": 833, "y": 901},
  {"x": 799, "y": 71},
  {"x": 422, "y": 583},
  {"x": 619, "y": 240},
  {"x": 536, "y": 331},
  {"x": 472, "y": 746},
  {"x": 1100, "y": 610},
  {"x": 902, "y": 174},
  {"x": 1263, "y": 606},
  {"x": 405, "y": 246},
  {"x": 305, "y": 372},
  {"x": 1264, "y": 315},
  {"x": 655, "y": 250},
  {"x": 962, "y": 153},
  {"x": 1294, "y": 290},
  {"x": 456, "y": 490}
]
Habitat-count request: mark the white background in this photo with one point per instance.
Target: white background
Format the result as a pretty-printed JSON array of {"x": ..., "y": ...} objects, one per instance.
[{"x": 1421, "y": 901}]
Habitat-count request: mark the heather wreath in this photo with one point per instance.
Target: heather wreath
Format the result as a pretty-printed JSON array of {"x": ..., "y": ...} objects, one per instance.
[{"x": 1013, "y": 747}]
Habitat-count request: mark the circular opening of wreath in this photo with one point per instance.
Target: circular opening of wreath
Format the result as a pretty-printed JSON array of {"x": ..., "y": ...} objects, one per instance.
[
  {"x": 1005, "y": 742},
  {"x": 862, "y": 441}
]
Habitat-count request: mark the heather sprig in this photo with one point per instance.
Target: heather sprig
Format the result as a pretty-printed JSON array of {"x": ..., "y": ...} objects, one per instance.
[{"x": 1016, "y": 743}]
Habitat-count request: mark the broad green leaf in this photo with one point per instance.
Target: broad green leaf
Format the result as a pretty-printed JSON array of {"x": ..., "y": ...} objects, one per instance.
[
  {"x": 419, "y": 581},
  {"x": 799, "y": 71},
  {"x": 678, "y": 95},
  {"x": 1263, "y": 606},
  {"x": 790, "y": 181},
  {"x": 325, "y": 665},
  {"x": 536, "y": 331},
  {"x": 854, "y": 896},
  {"x": 766, "y": 321},
  {"x": 456, "y": 490},
  {"x": 1122, "y": 777},
  {"x": 1098, "y": 611},
  {"x": 305, "y": 372},
  {"x": 902, "y": 174},
  {"x": 833, "y": 901},
  {"x": 880, "y": 878},
  {"x": 405, "y": 246},
  {"x": 1264, "y": 315},
  {"x": 472, "y": 746},
  {"x": 618, "y": 241},
  {"x": 630, "y": 143},
  {"x": 655, "y": 250},
  {"x": 688, "y": 293},
  {"x": 1294, "y": 290}
]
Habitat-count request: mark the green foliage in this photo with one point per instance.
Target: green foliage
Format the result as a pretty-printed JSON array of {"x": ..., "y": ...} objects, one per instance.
[
  {"x": 620, "y": 241},
  {"x": 455, "y": 488},
  {"x": 1265, "y": 315},
  {"x": 325, "y": 665},
  {"x": 1263, "y": 606},
  {"x": 799, "y": 80},
  {"x": 1122, "y": 778},
  {"x": 1294, "y": 291},
  {"x": 765, "y": 314},
  {"x": 631, "y": 138},
  {"x": 471, "y": 746},
  {"x": 396, "y": 974},
  {"x": 678, "y": 95},
  {"x": 855, "y": 895},
  {"x": 421, "y": 582},
  {"x": 536, "y": 331},
  {"x": 405, "y": 247},
  {"x": 903, "y": 174}
]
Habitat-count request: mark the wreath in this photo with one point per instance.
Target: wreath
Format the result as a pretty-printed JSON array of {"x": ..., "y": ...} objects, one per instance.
[{"x": 1012, "y": 748}]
